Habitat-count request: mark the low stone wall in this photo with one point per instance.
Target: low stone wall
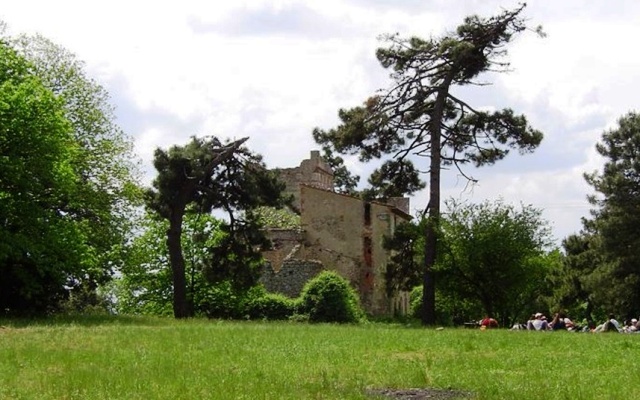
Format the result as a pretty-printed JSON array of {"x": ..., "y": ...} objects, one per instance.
[
  {"x": 286, "y": 244},
  {"x": 291, "y": 277}
]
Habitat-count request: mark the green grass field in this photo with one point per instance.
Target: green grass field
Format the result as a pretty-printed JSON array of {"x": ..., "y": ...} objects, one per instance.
[{"x": 146, "y": 358}]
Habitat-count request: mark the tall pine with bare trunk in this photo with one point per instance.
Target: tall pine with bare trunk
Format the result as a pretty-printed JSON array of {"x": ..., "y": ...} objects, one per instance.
[{"x": 419, "y": 116}]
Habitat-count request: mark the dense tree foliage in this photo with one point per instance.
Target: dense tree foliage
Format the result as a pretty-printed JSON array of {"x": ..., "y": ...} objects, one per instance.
[
  {"x": 42, "y": 247},
  {"x": 613, "y": 278},
  {"x": 575, "y": 289},
  {"x": 102, "y": 200},
  {"x": 419, "y": 116},
  {"x": 493, "y": 260},
  {"x": 494, "y": 254},
  {"x": 206, "y": 174},
  {"x": 145, "y": 286},
  {"x": 108, "y": 187}
]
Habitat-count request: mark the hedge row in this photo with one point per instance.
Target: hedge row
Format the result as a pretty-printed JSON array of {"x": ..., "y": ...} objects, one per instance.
[{"x": 326, "y": 298}]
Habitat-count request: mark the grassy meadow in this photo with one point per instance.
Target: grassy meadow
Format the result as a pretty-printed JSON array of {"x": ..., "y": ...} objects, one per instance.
[{"x": 153, "y": 358}]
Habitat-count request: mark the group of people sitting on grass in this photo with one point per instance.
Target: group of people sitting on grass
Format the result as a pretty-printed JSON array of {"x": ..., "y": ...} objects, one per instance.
[
  {"x": 612, "y": 325},
  {"x": 538, "y": 322}
]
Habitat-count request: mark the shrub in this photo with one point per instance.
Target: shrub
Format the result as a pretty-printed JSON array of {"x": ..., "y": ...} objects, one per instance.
[
  {"x": 222, "y": 301},
  {"x": 271, "y": 306},
  {"x": 329, "y": 298}
]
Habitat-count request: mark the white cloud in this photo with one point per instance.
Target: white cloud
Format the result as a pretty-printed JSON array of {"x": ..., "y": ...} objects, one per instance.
[
  {"x": 581, "y": 67},
  {"x": 274, "y": 70}
]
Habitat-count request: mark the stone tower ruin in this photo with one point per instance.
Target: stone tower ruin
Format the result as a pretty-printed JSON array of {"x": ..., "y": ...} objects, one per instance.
[{"x": 337, "y": 232}]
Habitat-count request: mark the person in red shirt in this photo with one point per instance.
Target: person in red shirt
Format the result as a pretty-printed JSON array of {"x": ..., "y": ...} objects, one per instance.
[{"x": 488, "y": 322}]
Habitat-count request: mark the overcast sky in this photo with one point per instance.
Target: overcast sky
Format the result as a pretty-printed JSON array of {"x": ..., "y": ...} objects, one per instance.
[{"x": 275, "y": 69}]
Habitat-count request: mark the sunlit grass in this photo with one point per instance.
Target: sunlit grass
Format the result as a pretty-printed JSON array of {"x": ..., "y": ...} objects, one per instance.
[{"x": 147, "y": 358}]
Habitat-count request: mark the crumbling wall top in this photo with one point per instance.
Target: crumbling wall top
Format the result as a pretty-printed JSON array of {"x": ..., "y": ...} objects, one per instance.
[{"x": 314, "y": 171}]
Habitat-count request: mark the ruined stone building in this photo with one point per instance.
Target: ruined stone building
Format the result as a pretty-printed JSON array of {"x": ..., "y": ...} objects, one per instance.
[{"x": 338, "y": 232}]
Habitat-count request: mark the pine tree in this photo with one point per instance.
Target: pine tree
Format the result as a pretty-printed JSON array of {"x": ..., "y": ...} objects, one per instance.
[{"x": 419, "y": 116}]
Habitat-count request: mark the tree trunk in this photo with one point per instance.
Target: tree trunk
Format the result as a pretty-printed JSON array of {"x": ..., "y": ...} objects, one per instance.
[
  {"x": 181, "y": 307},
  {"x": 431, "y": 232},
  {"x": 431, "y": 236}
]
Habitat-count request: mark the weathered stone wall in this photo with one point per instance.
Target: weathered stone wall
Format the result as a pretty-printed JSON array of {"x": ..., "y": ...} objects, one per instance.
[
  {"x": 313, "y": 171},
  {"x": 291, "y": 277},
  {"x": 346, "y": 234},
  {"x": 340, "y": 233},
  {"x": 286, "y": 244},
  {"x": 333, "y": 226},
  {"x": 382, "y": 223}
]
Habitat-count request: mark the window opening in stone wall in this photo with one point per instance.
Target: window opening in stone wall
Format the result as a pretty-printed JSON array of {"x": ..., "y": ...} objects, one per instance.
[
  {"x": 367, "y": 214},
  {"x": 367, "y": 281},
  {"x": 368, "y": 250}
]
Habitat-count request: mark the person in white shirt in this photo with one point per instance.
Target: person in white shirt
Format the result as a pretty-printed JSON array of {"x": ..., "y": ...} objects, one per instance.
[
  {"x": 612, "y": 325},
  {"x": 539, "y": 323}
]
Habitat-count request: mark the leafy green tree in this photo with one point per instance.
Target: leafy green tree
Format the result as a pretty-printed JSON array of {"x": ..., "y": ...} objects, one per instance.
[
  {"x": 43, "y": 249},
  {"x": 108, "y": 191},
  {"x": 109, "y": 187},
  {"x": 615, "y": 281},
  {"x": 206, "y": 174},
  {"x": 419, "y": 116},
  {"x": 145, "y": 286},
  {"x": 494, "y": 254},
  {"x": 572, "y": 283},
  {"x": 492, "y": 260}
]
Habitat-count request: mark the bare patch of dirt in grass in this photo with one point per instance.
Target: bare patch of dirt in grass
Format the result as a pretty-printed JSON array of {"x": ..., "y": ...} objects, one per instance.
[{"x": 419, "y": 394}]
